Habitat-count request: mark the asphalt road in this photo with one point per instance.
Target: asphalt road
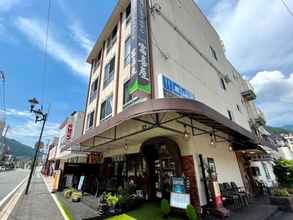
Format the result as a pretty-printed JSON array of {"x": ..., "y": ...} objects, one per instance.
[{"x": 10, "y": 179}]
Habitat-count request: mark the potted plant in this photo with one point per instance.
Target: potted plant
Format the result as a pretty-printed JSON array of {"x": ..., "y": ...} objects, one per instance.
[
  {"x": 165, "y": 207},
  {"x": 112, "y": 200},
  {"x": 191, "y": 213}
]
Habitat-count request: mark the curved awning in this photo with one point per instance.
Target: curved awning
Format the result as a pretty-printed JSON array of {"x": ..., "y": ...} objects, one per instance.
[{"x": 187, "y": 107}]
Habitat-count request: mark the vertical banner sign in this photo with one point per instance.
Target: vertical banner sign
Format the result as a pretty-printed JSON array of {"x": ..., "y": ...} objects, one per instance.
[{"x": 140, "y": 75}]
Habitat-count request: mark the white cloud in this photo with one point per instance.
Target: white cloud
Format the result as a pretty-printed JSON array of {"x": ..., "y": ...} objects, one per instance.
[
  {"x": 81, "y": 37},
  {"x": 275, "y": 96},
  {"x": 7, "y": 5},
  {"x": 17, "y": 113},
  {"x": 29, "y": 132},
  {"x": 257, "y": 34},
  {"x": 35, "y": 32}
]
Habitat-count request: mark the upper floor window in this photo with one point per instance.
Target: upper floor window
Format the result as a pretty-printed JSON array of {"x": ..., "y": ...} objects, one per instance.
[
  {"x": 90, "y": 119},
  {"x": 106, "y": 108},
  {"x": 238, "y": 107},
  {"x": 109, "y": 72},
  {"x": 128, "y": 14},
  {"x": 230, "y": 115},
  {"x": 126, "y": 96},
  {"x": 94, "y": 87},
  {"x": 223, "y": 84},
  {"x": 214, "y": 54},
  {"x": 97, "y": 61},
  {"x": 127, "y": 51},
  {"x": 112, "y": 39}
]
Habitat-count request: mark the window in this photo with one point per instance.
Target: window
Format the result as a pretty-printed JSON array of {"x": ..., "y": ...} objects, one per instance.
[
  {"x": 238, "y": 107},
  {"x": 128, "y": 14},
  {"x": 230, "y": 115},
  {"x": 90, "y": 119},
  {"x": 223, "y": 85},
  {"x": 97, "y": 61},
  {"x": 112, "y": 39},
  {"x": 255, "y": 171},
  {"x": 106, "y": 108},
  {"x": 266, "y": 170},
  {"x": 127, "y": 51},
  {"x": 126, "y": 96},
  {"x": 214, "y": 54},
  {"x": 94, "y": 87},
  {"x": 109, "y": 72}
]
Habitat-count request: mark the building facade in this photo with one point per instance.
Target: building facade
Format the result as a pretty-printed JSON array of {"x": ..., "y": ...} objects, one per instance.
[
  {"x": 68, "y": 150},
  {"x": 163, "y": 101}
]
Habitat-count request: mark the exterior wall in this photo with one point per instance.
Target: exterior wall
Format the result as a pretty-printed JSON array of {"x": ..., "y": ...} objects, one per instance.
[{"x": 184, "y": 65}]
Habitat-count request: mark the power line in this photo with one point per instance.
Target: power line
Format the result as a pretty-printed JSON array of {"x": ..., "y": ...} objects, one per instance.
[
  {"x": 287, "y": 7},
  {"x": 44, "y": 78}
]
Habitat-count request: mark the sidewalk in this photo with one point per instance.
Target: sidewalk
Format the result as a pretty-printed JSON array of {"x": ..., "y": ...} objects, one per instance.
[{"x": 38, "y": 204}]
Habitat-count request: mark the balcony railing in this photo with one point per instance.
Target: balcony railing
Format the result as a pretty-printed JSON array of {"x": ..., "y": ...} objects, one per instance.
[{"x": 248, "y": 91}]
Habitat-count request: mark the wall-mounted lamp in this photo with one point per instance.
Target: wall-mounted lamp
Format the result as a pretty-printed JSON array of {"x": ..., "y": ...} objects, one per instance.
[
  {"x": 212, "y": 139},
  {"x": 186, "y": 133}
]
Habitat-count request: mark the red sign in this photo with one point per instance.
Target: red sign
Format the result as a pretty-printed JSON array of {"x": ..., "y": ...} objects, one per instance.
[{"x": 69, "y": 132}]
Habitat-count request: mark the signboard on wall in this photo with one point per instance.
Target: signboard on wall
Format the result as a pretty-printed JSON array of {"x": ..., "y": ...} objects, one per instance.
[
  {"x": 168, "y": 89},
  {"x": 69, "y": 132},
  {"x": 140, "y": 75}
]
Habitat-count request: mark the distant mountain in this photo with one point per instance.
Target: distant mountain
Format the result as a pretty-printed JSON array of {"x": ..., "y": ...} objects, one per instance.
[
  {"x": 288, "y": 127},
  {"x": 20, "y": 150},
  {"x": 279, "y": 130}
]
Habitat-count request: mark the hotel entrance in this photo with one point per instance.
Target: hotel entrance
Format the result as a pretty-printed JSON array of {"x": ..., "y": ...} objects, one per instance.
[{"x": 163, "y": 162}]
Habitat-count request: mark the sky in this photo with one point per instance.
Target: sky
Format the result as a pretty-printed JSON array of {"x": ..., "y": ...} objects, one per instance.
[{"x": 257, "y": 38}]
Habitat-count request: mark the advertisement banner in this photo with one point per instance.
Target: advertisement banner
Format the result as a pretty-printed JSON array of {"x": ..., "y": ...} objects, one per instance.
[{"x": 140, "y": 75}]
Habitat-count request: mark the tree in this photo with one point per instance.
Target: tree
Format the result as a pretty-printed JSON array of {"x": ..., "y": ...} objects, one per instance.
[{"x": 283, "y": 170}]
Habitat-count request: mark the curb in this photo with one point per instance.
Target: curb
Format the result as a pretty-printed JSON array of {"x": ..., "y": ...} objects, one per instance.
[{"x": 6, "y": 199}]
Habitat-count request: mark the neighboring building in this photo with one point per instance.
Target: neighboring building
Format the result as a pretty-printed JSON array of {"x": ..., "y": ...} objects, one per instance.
[
  {"x": 289, "y": 138},
  {"x": 68, "y": 150},
  {"x": 163, "y": 101},
  {"x": 284, "y": 149},
  {"x": 51, "y": 161}
]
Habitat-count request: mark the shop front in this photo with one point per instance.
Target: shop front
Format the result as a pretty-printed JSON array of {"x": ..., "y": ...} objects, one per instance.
[{"x": 151, "y": 143}]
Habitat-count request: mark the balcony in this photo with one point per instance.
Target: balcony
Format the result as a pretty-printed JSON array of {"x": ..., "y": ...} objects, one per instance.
[{"x": 248, "y": 91}]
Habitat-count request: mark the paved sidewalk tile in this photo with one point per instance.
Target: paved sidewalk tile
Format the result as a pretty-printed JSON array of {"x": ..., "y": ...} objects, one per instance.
[{"x": 37, "y": 205}]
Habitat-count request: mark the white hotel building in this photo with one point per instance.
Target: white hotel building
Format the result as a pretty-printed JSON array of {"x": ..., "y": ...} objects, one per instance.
[{"x": 163, "y": 97}]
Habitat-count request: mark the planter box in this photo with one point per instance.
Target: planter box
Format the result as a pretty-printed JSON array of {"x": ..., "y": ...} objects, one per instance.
[{"x": 284, "y": 203}]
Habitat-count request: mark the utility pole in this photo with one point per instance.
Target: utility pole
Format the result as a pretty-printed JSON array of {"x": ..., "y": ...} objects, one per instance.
[{"x": 40, "y": 116}]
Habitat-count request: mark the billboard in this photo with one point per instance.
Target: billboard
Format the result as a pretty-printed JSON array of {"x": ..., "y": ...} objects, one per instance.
[{"x": 140, "y": 72}]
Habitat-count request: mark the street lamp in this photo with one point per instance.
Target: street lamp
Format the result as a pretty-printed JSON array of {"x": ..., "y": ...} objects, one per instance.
[{"x": 40, "y": 116}]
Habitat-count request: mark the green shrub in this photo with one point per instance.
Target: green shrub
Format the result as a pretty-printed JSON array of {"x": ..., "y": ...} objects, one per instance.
[
  {"x": 191, "y": 213},
  {"x": 283, "y": 170},
  {"x": 280, "y": 192},
  {"x": 165, "y": 207}
]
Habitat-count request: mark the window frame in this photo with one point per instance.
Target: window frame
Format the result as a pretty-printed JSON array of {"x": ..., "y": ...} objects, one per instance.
[
  {"x": 230, "y": 114},
  {"x": 93, "y": 93},
  {"x": 110, "y": 74},
  {"x": 223, "y": 84},
  {"x": 109, "y": 115},
  {"x": 129, "y": 101},
  {"x": 127, "y": 57},
  {"x": 128, "y": 14},
  {"x": 90, "y": 118},
  {"x": 214, "y": 53},
  {"x": 112, "y": 39}
]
